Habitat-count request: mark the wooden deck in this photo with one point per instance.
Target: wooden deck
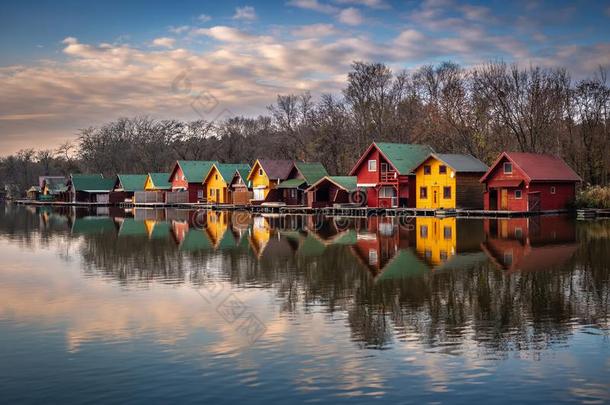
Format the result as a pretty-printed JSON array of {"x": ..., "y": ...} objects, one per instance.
[{"x": 344, "y": 211}]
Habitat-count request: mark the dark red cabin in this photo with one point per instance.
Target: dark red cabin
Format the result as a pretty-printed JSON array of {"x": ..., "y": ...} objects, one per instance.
[
  {"x": 385, "y": 173},
  {"x": 520, "y": 181}
]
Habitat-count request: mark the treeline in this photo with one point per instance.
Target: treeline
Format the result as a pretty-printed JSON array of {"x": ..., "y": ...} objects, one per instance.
[{"x": 481, "y": 111}]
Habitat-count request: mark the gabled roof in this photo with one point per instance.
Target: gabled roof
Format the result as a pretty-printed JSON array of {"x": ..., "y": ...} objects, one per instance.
[
  {"x": 537, "y": 167},
  {"x": 91, "y": 182},
  {"x": 291, "y": 183},
  {"x": 403, "y": 157},
  {"x": 311, "y": 172},
  {"x": 347, "y": 183},
  {"x": 275, "y": 169},
  {"x": 459, "y": 163},
  {"x": 131, "y": 182},
  {"x": 195, "y": 170},
  {"x": 52, "y": 181},
  {"x": 160, "y": 180},
  {"x": 227, "y": 170}
]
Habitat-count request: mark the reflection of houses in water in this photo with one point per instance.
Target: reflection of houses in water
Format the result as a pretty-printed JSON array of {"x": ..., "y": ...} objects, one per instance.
[
  {"x": 382, "y": 245},
  {"x": 527, "y": 244},
  {"x": 219, "y": 230},
  {"x": 91, "y": 225},
  {"x": 260, "y": 235},
  {"x": 447, "y": 243}
]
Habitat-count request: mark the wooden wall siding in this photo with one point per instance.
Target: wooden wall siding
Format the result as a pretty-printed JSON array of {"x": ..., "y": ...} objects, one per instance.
[
  {"x": 177, "y": 197},
  {"x": 565, "y": 193},
  {"x": 241, "y": 196},
  {"x": 116, "y": 197},
  {"x": 149, "y": 197},
  {"x": 469, "y": 191},
  {"x": 435, "y": 181},
  {"x": 149, "y": 215},
  {"x": 326, "y": 195}
]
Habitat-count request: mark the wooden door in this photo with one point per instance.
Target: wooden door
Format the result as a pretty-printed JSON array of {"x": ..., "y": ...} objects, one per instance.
[
  {"x": 504, "y": 199},
  {"x": 435, "y": 196}
]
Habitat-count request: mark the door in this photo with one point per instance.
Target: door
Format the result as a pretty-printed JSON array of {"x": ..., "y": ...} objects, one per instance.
[
  {"x": 504, "y": 199},
  {"x": 259, "y": 194},
  {"x": 435, "y": 196}
]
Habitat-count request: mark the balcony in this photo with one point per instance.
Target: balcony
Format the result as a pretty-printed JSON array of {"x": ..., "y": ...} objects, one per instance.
[{"x": 388, "y": 176}]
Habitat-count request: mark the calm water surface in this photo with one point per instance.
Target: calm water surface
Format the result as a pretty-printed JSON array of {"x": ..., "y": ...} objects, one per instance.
[{"x": 159, "y": 305}]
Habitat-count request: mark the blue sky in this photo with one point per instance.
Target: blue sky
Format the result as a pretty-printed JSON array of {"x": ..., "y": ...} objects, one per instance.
[{"x": 69, "y": 64}]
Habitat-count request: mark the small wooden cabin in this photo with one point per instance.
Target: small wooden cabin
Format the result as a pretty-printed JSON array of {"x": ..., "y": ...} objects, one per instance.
[
  {"x": 385, "y": 173},
  {"x": 265, "y": 175},
  {"x": 302, "y": 175},
  {"x": 449, "y": 181},
  {"x": 155, "y": 187},
  {"x": 519, "y": 181},
  {"x": 125, "y": 186},
  {"x": 217, "y": 182},
  {"x": 331, "y": 190},
  {"x": 52, "y": 187},
  {"x": 89, "y": 188},
  {"x": 187, "y": 177},
  {"x": 240, "y": 188}
]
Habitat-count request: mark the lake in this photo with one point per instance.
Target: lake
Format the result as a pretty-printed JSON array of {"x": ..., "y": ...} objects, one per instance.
[{"x": 218, "y": 307}]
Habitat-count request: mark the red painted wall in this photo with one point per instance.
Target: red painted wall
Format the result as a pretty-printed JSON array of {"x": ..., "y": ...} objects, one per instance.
[
  {"x": 362, "y": 172},
  {"x": 191, "y": 188},
  {"x": 564, "y": 194}
]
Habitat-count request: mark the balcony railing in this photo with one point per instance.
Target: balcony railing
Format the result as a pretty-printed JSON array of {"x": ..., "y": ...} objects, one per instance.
[{"x": 389, "y": 176}]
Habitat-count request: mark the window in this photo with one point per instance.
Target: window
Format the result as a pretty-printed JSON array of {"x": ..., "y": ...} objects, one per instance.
[
  {"x": 518, "y": 233},
  {"x": 199, "y": 193},
  {"x": 372, "y": 165},
  {"x": 423, "y": 192},
  {"x": 447, "y": 193},
  {"x": 260, "y": 171},
  {"x": 387, "y": 192},
  {"x": 442, "y": 169},
  {"x": 508, "y": 168},
  {"x": 423, "y": 231},
  {"x": 215, "y": 177},
  {"x": 517, "y": 194},
  {"x": 259, "y": 194},
  {"x": 427, "y": 169},
  {"x": 553, "y": 190},
  {"x": 372, "y": 257},
  {"x": 212, "y": 191},
  {"x": 443, "y": 255},
  {"x": 447, "y": 232}
]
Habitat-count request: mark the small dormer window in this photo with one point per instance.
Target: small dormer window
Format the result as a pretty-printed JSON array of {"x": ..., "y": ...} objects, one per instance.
[
  {"x": 372, "y": 165},
  {"x": 508, "y": 168}
]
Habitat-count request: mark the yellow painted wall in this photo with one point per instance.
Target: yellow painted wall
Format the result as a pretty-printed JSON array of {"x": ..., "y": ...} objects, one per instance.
[
  {"x": 215, "y": 181},
  {"x": 436, "y": 239},
  {"x": 149, "y": 186},
  {"x": 434, "y": 181},
  {"x": 261, "y": 233},
  {"x": 260, "y": 180}
]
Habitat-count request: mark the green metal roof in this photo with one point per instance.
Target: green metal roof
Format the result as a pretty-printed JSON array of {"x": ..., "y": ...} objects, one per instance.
[
  {"x": 405, "y": 264},
  {"x": 93, "y": 225},
  {"x": 227, "y": 170},
  {"x": 132, "y": 182},
  {"x": 91, "y": 182},
  {"x": 195, "y": 171},
  {"x": 311, "y": 246},
  {"x": 349, "y": 237},
  {"x": 291, "y": 183},
  {"x": 228, "y": 241},
  {"x": 131, "y": 227},
  {"x": 195, "y": 240},
  {"x": 311, "y": 172},
  {"x": 160, "y": 180},
  {"x": 404, "y": 157},
  {"x": 349, "y": 183}
]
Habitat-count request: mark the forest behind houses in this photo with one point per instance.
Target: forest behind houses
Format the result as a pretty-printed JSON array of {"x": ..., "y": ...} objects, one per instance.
[{"x": 480, "y": 110}]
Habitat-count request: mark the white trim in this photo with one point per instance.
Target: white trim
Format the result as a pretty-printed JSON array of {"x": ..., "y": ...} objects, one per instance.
[{"x": 366, "y": 184}]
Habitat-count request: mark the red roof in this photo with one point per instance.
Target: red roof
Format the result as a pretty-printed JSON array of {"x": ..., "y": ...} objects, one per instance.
[{"x": 538, "y": 167}]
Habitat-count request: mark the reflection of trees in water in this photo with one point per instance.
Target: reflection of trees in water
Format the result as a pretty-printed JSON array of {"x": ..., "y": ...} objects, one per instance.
[{"x": 480, "y": 302}]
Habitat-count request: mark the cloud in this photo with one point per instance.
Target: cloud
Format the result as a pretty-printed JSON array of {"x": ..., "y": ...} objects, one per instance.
[
  {"x": 204, "y": 18},
  {"x": 315, "y": 31},
  {"x": 314, "y": 5},
  {"x": 164, "y": 42},
  {"x": 350, "y": 16},
  {"x": 378, "y": 4},
  {"x": 180, "y": 29},
  {"x": 246, "y": 13},
  {"x": 225, "y": 34}
]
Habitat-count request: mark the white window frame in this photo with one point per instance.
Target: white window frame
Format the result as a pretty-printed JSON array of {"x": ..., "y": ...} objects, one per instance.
[
  {"x": 372, "y": 165},
  {"x": 199, "y": 193},
  {"x": 383, "y": 192},
  {"x": 511, "y": 167},
  {"x": 553, "y": 190},
  {"x": 373, "y": 258},
  {"x": 520, "y": 196}
]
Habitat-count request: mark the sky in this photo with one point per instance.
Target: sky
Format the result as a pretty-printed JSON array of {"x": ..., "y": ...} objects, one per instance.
[{"x": 67, "y": 65}]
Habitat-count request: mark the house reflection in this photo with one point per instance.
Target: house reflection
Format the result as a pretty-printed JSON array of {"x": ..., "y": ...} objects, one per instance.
[{"x": 529, "y": 244}]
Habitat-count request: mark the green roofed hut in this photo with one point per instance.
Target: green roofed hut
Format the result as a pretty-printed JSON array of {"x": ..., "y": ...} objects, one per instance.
[
  {"x": 386, "y": 175},
  {"x": 301, "y": 176},
  {"x": 125, "y": 186},
  {"x": 89, "y": 189},
  {"x": 331, "y": 190},
  {"x": 187, "y": 178}
]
